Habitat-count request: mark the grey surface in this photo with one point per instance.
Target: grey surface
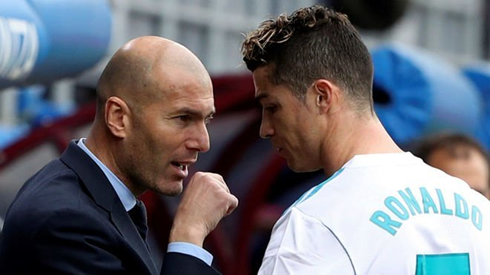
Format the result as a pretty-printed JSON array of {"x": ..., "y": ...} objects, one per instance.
[{"x": 16, "y": 173}]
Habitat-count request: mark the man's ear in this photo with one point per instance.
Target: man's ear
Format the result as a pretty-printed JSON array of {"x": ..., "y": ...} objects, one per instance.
[
  {"x": 324, "y": 92},
  {"x": 117, "y": 116}
]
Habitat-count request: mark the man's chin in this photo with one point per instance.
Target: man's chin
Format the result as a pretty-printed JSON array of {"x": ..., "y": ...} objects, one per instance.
[
  {"x": 170, "y": 189},
  {"x": 173, "y": 193}
]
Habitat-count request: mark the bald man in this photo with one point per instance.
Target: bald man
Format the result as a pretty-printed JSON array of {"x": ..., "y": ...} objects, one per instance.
[{"x": 79, "y": 214}]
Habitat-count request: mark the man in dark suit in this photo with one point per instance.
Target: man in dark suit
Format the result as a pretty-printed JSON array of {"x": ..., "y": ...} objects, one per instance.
[{"x": 79, "y": 214}]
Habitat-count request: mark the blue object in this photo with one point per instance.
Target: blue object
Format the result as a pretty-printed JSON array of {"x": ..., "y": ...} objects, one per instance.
[
  {"x": 10, "y": 134},
  {"x": 45, "y": 40},
  {"x": 479, "y": 74},
  {"x": 443, "y": 264},
  {"x": 36, "y": 110},
  {"x": 422, "y": 94}
]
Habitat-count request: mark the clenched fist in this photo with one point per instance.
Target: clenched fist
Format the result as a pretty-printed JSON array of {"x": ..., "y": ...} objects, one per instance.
[{"x": 205, "y": 201}]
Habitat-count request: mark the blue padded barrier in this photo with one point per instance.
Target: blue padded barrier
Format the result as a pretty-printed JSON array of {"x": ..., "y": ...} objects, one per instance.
[
  {"x": 417, "y": 94},
  {"x": 45, "y": 40},
  {"x": 479, "y": 74}
]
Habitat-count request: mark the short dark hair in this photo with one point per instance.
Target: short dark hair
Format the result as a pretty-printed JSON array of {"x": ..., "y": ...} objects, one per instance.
[
  {"x": 449, "y": 142},
  {"x": 312, "y": 43}
]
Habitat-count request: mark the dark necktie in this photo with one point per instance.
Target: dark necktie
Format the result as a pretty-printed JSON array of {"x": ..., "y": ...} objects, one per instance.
[{"x": 138, "y": 215}]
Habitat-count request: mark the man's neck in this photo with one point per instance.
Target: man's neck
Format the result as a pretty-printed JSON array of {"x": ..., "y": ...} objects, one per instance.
[{"x": 355, "y": 137}]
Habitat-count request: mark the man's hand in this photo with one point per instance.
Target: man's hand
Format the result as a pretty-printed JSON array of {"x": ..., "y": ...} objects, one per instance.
[{"x": 205, "y": 201}]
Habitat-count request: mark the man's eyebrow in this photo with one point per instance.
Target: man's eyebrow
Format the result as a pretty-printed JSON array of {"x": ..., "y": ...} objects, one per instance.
[{"x": 194, "y": 112}]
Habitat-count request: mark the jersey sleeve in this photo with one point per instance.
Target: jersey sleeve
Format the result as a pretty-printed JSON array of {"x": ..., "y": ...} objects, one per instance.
[{"x": 301, "y": 244}]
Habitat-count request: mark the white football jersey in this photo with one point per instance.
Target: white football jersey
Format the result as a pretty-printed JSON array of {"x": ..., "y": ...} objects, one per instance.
[{"x": 383, "y": 214}]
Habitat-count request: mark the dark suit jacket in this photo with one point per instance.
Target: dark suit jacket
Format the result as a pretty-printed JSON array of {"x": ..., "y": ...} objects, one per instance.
[{"x": 67, "y": 219}]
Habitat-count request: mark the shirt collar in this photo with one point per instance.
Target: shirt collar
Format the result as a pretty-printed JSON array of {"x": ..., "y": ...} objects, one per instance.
[{"x": 127, "y": 198}]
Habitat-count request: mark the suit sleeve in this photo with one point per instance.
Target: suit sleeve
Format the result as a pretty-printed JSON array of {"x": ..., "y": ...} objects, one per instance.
[
  {"x": 182, "y": 264},
  {"x": 82, "y": 245}
]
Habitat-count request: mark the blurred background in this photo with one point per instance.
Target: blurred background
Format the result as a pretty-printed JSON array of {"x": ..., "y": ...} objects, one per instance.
[{"x": 432, "y": 74}]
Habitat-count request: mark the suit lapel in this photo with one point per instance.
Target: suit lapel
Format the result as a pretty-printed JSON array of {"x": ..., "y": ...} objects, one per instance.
[
  {"x": 120, "y": 218},
  {"x": 104, "y": 195}
]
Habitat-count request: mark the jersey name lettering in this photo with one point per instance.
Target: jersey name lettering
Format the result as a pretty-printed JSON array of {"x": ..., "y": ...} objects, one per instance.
[{"x": 405, "y": 204}]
